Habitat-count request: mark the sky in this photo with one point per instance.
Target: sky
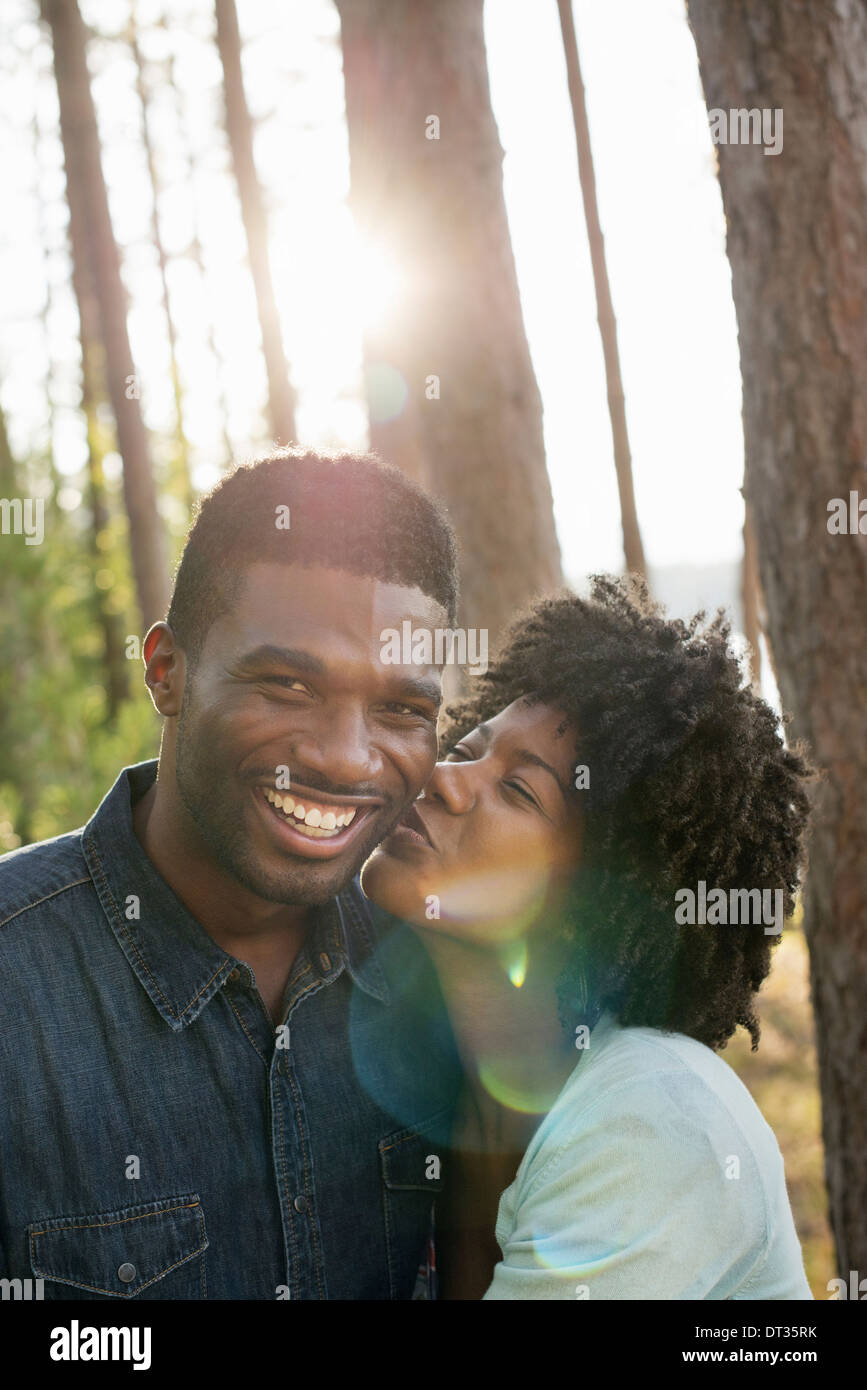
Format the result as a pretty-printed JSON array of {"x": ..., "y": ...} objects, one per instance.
[{"x": 660, "y": 208}]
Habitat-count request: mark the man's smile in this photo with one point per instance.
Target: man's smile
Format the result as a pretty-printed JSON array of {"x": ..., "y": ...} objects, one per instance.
[{"x": 313, "y": 824}]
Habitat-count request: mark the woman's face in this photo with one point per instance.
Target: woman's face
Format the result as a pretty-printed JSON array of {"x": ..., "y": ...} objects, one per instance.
[{"x": 489, "y": 848}]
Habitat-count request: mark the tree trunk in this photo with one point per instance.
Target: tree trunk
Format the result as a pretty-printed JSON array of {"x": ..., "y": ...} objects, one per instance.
[
  {"x": 751, "y": 601},
  {"x": 93, "y": 391},
  {"x": 797, "y": 228},
  {"x": 22, "y": 646},
  {"x": 115, "y": 669},
  {"x": 45, "y": 307},
  {"x": 470, "y": 427},
  {"x": 182, "y": 449},
  {"x": 239, "y": 129},
  {"x": 632, "y": 547},
  {"x": 83, "y": 167},
  {"x": 8, "y": 470},
  {"x": 195, "y": 251}
]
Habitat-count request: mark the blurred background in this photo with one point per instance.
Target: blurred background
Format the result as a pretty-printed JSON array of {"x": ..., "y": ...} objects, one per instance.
[{"x": 228, "y": 226}]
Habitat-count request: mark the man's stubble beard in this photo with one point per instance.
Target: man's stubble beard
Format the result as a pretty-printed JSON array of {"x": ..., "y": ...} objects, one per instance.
[{"x": 307, "y": 884}]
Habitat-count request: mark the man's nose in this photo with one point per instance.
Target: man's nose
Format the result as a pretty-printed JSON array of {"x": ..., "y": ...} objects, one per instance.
[
  {"x": 340, "y": 751},
  {"x": 454, "y": 785}
]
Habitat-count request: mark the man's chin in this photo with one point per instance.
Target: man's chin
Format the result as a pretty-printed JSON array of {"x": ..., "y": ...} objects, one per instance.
[
  {"x": 273, "y": 872},
  {"x": 308, "y": 882}
]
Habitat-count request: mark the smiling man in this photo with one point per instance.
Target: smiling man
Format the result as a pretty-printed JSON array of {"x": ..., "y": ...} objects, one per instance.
[{"x": 222, "y": 1080}]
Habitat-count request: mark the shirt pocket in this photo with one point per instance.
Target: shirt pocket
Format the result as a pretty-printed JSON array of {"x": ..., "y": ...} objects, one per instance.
[
  {"x": 411, "y": 1168},
  {"x": 154, "y": 1250}
]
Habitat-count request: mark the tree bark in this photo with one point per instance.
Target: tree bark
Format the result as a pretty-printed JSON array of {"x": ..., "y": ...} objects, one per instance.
[
  {"x": 239, "y": 128},
  {"x": 436, "y": 207},
  {"x": 8, "y": 467},
  {"x": 182, "y": 448},
  {"x": 195, "y": 251},
  {"x": 45, "y": 307},
  {"x": 81, "y": 154},
  {"x": 109, "y": 623},
  {"x": 632, "y": 547},
  {"x": 93, "y": 392},
  {"x": 797, "y": 228},
  {"x": 751, "y": 601}
]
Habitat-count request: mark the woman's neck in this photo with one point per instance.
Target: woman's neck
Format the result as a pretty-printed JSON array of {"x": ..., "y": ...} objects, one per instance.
[{"x": 502, "y": 1005}]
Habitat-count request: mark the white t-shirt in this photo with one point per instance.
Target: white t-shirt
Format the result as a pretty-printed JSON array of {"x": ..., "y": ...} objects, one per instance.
[{"x": 653, "y": 1176}]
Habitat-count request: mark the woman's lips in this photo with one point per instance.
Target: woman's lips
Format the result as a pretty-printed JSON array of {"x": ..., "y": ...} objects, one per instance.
[
  {"x": 411, "y": 830},
  {"x": 295, "y": 840}
]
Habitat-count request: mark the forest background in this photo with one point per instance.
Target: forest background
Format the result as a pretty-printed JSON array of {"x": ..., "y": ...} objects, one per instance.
[{"x": 349, "y": 225}]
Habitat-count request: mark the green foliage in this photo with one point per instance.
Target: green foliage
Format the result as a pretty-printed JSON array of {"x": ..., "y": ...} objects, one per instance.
[{"x": 60, "y": 750}]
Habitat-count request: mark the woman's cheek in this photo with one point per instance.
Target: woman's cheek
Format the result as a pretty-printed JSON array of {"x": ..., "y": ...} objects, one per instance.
[{"x": 508, "y": 893}]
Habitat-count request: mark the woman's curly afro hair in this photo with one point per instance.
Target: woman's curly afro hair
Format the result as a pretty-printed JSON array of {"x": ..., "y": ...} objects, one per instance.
[{"x": 689, "y": 780}]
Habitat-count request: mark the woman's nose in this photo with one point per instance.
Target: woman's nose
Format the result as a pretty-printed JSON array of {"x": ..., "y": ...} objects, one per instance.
[{"x": 454, "y": 785}]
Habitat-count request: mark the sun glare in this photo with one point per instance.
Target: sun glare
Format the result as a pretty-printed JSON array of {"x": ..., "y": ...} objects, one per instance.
[{"x": 379, "y": 282}]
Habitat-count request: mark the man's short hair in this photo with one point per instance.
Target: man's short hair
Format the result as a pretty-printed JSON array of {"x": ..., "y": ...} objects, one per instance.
[{"x": 344, "y": 511}]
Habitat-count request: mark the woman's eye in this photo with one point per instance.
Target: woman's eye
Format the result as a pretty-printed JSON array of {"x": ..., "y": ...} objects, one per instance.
[
  {"x": 522, "y": 791},
  {"x": 459, "y": 753}
]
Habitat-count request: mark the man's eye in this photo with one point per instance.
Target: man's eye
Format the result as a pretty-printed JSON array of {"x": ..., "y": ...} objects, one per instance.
[
  {"x": 460, "y": 754},
  {"x": 396, "y": 708},
  {"x": 285, "y": 682}
]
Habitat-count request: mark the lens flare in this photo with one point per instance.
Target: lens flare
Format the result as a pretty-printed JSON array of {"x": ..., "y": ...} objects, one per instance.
[
  {"x": 387, "y": 392},
  {"x": 498, "y": 906},
  {"x": 516, "y": 969},
  {"x": 512, "y": 1093}
]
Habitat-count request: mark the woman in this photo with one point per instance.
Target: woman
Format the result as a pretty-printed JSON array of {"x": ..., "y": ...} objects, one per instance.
[{"x": 607, "y": 762}]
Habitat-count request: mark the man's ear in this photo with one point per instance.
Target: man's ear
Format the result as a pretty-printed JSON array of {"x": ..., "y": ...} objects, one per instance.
[{"x": 165, "y": 669}]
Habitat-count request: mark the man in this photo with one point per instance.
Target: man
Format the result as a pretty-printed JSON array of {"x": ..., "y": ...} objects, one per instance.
[{"x": 220, "y": 1080}]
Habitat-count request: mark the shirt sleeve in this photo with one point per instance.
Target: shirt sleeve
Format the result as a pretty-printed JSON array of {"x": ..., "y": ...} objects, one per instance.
[{"x": 654, "y": 1193}]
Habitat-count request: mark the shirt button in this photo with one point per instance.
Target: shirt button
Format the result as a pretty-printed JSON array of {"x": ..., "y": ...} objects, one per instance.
[
  {"x": 126, "y": 1274},
  {"x": 325, "y": 960},
  {"x": 300, "y": 1204},
  {"x": 234, "y": 976}
]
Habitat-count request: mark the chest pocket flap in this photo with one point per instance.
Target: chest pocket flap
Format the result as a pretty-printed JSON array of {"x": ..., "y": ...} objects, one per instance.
[
  {"x": 120, "y": 1252},
  {"x": 412, "y": 1158}
]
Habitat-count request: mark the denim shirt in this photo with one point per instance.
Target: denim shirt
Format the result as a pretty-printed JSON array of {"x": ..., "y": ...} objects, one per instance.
[{"x": 159, "y": 1137}]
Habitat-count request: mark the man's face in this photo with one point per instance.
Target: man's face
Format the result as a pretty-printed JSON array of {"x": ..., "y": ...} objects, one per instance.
[{"x": 292, "y": 678}]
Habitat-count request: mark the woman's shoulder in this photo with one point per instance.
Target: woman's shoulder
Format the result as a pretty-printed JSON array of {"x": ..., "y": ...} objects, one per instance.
[
  {"x": 636, "y": 1058},
  {"x": 668, "y": 1096},
  {"x": 654, "y": 1174}
]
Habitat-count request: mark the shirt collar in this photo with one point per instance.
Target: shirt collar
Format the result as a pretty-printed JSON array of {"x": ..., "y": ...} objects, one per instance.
[{"x": 174, "y": 958}]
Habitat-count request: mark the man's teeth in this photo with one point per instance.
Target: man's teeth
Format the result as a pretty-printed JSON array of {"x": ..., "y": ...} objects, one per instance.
[{"x": 313, "y": 821}]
